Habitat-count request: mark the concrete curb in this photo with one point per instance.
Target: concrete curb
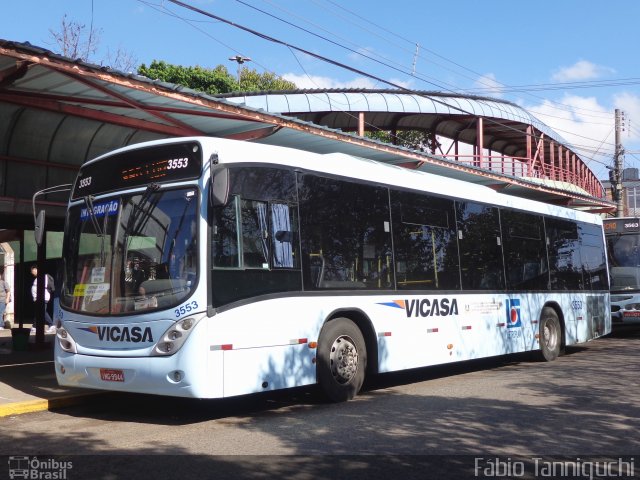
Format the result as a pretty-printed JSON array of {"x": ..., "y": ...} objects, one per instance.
[{"x": 31, "y": 406}]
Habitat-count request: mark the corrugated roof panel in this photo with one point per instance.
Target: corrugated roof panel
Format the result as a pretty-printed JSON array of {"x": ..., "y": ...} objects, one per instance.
[
  {"x": 69, "y": 144},
  {"x": 356, "y": 102},
  {"x": 394, "y": 103},
  {"x": 312, "y": 103},
  {"x": 24, "y": 143},
  {"x": 182, "y": 111},
  {"x": 106, "y": 138}
]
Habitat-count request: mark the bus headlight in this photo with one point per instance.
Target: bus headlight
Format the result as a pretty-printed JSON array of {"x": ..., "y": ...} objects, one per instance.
[
  {"x": 171, "y": 340},
  {"x": 65, "y": 340}
]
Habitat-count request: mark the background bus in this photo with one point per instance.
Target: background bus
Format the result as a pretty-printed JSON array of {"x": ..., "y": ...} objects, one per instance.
[
  {"x": 623, "y": 250},
  {"x": 208, "y": 268}
]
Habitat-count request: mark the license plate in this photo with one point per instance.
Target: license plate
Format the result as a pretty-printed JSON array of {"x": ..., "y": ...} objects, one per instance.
[{"x": 110, "y": 375}]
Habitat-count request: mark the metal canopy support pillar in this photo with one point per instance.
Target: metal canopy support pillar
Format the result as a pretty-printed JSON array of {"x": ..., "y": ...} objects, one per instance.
[
  {"x": 361, "y": 124},
  {"x": 552, "y": 160},
  {"x": 560, "y": 164},
  {"x": 529, "y": 151},
  {"x": 479, "y": 143},
  {"x": 540, "y": 147}
]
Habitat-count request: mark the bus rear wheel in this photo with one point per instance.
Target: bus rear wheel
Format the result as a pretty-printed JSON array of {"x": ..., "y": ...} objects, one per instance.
[
  {"x": 342, "y": 359},
  {"x": 550, "y": 335}
]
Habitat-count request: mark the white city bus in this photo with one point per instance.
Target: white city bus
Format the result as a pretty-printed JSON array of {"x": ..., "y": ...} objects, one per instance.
[
  {"x": 203, "y": 267},
  {"x": 623, "y": 249}
]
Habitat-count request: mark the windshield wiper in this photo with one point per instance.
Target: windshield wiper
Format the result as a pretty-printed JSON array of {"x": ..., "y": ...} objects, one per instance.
[
  {"x": 88, "y": 201},
  {"x": 140, "y": 214},
  {"x": 100, "y": 231}
]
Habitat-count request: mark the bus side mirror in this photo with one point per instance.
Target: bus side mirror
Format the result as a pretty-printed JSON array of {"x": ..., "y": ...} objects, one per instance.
[
  {"x": 39, "y": 228},
  {"x": 219, "y": 187}
]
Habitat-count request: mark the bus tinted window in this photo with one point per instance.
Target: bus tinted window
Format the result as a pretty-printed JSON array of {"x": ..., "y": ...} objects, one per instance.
[
  {"x": 481, "y": 263},
  {"x": 284, "y": 235},
  {"x": 264, "y": 184},
  {"x": 224, "y": 243},
  {"x": 254, "y": 241},
  {"x": 345, "y": 231},
  {"x": 424, "y": 238},
  {"x": 525, "y": 254},
  {"x": 255, "y": 249},
  {"x": 565, "y": 263},
  {"x": 593, "y": 258}
]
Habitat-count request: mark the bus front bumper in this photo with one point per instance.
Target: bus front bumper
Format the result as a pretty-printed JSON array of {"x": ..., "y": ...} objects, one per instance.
[{"x": 149, "y": 375}]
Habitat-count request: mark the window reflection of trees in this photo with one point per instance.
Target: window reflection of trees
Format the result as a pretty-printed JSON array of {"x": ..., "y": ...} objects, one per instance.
[
  {"x": 345, "y": 234},
  {"x": 525, "y": 254},
  {"x": 564, "y": 254},
  {"x": 345, "y": 239},
  {"x": 425, "y": 242},
  {"x": 593, "y": 257},
  {"x": 481, "y": 261}
]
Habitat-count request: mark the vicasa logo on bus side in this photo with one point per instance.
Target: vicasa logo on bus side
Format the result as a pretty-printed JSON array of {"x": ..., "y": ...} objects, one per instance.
[
  {"x": 425, "y": 307},
  {"x": 122, "y": 334}
]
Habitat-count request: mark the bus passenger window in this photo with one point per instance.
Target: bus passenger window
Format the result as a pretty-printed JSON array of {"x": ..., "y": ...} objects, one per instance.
[
  {"x": 225, "y": 237},
  {"x": 284, "y": 236},
  {"x": 255, "y": 252},
  {"x": 424, "y": 237}
]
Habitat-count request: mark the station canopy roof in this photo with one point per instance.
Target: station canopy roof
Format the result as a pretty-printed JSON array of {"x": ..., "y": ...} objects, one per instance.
[{"x": 56, "y": 113}]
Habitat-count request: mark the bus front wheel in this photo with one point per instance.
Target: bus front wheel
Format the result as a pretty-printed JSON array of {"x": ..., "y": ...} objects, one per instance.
[
  {"x": 550, "y": 335},
  {"x": 341, "y": 359}
]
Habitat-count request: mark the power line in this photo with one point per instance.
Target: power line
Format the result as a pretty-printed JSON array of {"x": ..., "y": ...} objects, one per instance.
[
  {"x": 491, "y": 88},
  {"x": 334, "y": 62}
]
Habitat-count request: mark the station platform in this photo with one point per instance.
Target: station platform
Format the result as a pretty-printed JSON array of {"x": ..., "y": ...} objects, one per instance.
[{"x": 27, "y": 377}]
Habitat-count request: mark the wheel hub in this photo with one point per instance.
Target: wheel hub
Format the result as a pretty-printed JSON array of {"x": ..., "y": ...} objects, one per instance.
[
  {"x": 344, "y": 359},
  {"x": 550, "y": 337}
]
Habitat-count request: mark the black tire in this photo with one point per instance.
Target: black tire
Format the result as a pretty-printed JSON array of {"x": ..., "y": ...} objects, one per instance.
[
  {"x": 341, "y": 360},
  {"x": 550, "y": 335}
]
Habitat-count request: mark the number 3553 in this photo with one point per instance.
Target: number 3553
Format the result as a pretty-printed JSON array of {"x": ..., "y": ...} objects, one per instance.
[
  {"x": 185, "y": 309},
  {"x": 177, "y": 163}
]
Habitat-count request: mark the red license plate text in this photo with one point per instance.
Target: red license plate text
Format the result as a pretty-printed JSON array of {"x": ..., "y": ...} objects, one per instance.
[{"x": 110, "y": 375}]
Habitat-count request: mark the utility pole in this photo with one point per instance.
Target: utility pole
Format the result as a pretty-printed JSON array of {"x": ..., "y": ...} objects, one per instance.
[{"x": 616, "y": 182}]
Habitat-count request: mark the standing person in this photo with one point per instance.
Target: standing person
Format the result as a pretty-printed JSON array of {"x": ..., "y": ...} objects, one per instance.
[
  {"x": 5, "y": 297},
  {"x": 47, "y": 297}
]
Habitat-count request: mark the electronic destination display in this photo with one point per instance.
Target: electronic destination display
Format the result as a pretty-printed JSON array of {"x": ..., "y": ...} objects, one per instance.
[
  {"x": 621, "y": 225},
  {"x": 158, "y": 164}
]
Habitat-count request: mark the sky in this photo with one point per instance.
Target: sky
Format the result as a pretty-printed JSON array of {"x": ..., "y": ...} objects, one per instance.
[{"x": 570, "y": 63}]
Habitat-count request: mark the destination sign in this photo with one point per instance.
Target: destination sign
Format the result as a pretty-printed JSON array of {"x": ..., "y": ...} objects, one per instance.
[
  {"x": 621, "y": 225},
  {"x": 134, "y": 168}
]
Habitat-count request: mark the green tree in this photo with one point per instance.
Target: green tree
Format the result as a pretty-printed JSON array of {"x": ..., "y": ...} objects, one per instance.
[
  {"x": 414, "y": 139},
  {"x": 252, "y": 81},
  {"x": 214, "y": 80}
]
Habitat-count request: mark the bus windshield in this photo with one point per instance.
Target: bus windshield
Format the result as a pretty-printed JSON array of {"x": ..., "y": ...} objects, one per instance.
[
  {"x": 624, "y": 261},
  {"x": 131, "y": 253}
]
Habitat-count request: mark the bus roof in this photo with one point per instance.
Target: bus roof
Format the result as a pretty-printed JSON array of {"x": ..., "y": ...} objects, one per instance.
[{"x": 340, "y": 164}]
